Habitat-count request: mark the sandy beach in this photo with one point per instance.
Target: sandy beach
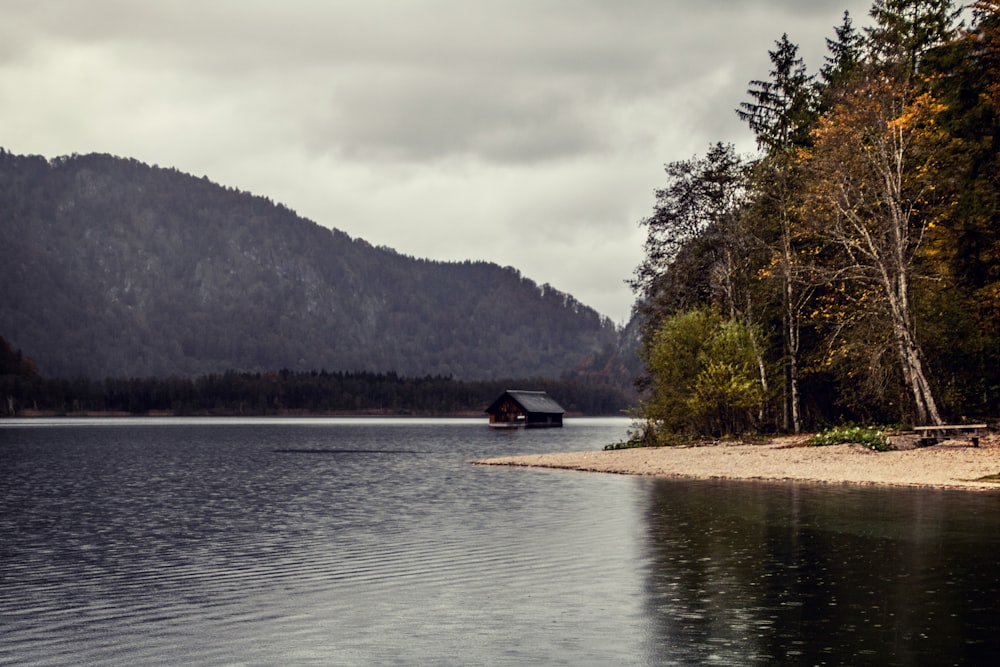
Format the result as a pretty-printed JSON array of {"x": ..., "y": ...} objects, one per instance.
[{"x": 950, "y": 464}]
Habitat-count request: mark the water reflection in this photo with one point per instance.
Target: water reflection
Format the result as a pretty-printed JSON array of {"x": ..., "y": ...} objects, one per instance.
[{"x": 740, "y": 573}]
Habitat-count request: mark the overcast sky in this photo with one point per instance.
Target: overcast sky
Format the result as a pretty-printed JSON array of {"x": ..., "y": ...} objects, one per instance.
[{"x": 529, "y": 133}]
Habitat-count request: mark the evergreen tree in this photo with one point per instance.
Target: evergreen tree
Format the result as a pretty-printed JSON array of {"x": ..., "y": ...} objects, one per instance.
[
  {"x": 781, "y": 109},
  {"x": 781, "y": 112},
  {"x": 700, "y": 202},
  {"x": 844, "y": 57},
  {"x": 905, "y": 30}
]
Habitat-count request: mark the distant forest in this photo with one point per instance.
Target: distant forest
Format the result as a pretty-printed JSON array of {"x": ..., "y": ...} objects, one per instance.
[
  {"x": 851, "y": 272},
  {"x": 24, "y": 392}
]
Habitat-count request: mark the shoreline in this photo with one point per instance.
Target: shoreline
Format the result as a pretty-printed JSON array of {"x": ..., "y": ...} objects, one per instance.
[
  {"x": 289, "y": 413},
  {"x": 952, "y": 464}
]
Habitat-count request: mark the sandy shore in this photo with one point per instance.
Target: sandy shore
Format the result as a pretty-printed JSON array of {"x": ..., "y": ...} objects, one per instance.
[{"x": 951, "y": 464}]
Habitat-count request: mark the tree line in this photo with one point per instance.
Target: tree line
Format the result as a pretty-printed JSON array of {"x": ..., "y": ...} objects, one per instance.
[
  {"x": 24, "y": 391},
  {"x": 848, "y": 271}
]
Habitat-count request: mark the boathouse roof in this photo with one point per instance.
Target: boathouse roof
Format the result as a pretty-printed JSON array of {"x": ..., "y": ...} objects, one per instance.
[{"x": 532, "y": 402}]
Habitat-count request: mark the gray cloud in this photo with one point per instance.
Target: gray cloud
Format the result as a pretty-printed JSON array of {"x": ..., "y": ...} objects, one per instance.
[{"x": 445, "y": 129}]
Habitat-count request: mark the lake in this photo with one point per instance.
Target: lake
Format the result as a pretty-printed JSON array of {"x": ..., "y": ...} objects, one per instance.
[{"x": 374, "y": 542}]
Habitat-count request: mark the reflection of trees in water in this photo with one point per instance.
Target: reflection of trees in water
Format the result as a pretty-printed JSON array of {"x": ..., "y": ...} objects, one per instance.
[{"x": 743, "y": 572}]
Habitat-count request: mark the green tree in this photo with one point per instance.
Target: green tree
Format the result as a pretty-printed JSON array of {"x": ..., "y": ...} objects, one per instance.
[
  {"x": 781, "y": 109},
  {"x": 906, "y": 30},
  {"x": 727, "y": 391},
  {"x": 700, "y": 252},
  {"x": 842, "y": 61},
  {"x": 701, "y": 200},
  {"x": 703, "y": 376},
  {"x": 780, "y": 113}
]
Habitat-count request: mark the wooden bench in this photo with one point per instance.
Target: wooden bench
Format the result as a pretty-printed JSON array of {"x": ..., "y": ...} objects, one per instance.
[{"x": 931, "y": 435}]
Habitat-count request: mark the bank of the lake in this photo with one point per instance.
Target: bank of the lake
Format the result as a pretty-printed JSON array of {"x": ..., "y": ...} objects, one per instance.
[{"x": 949, "y": 465}]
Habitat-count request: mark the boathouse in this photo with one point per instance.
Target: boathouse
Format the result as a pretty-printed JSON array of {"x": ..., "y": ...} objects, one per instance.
[{"x": 517, "y": 407}]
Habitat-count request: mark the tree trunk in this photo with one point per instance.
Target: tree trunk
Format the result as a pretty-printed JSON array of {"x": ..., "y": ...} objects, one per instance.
[
  {"x": 913, "y": 371},
  {"x": 793, "y": 418},
  {"x": 762, "y": 370},
  {"x": 923, "y": 397},
  {"x": 909, "y": 351},
  {"x": 792, "y": 334}
]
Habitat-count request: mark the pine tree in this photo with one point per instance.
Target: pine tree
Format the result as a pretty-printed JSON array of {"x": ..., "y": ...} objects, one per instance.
[
  {"x": 905, "y": 30},
  {"x": 780, "y": 113},
  {"x": 844, "y": 56}
]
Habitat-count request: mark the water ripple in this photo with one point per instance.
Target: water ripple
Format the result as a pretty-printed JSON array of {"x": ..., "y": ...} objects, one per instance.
[{"x": 167, "y": 545}]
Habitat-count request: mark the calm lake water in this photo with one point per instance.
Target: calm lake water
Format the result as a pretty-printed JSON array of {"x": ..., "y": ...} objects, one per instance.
[{"x": 374, "y": 542}]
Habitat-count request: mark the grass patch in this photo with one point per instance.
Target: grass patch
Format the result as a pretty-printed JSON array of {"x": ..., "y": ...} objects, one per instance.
[{"x": 866, "y": 436}]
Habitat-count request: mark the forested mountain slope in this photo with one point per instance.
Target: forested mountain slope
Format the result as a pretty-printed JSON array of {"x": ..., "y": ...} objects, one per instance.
[{"x": 110, "y": 267}]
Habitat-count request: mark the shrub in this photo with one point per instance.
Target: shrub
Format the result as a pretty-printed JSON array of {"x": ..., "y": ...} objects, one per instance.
[
  {"x": 704, "y": 377},
  {"x": 867, "y": 436}
]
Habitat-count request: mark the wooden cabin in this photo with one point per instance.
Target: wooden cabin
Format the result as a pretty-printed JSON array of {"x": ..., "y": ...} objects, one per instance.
[{"x": 530, "y": 409}]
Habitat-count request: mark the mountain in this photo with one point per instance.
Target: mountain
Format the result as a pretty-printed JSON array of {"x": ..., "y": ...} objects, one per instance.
[{"x": 113, "y": 268}]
